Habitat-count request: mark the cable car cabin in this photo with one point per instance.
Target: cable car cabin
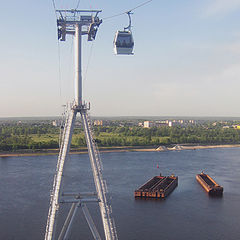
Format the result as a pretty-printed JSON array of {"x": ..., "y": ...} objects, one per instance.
[{"x": 123, "y": 43}]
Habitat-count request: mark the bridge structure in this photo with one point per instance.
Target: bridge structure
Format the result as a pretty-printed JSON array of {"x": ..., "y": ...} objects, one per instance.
[{"x": 78, "y": 23}]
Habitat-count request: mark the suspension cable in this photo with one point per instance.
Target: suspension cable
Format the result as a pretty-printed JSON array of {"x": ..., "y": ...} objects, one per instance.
[
  {"x": 59, "y": 72},
  {"x": 54, "y": 5},
  {"x": 119, "y": 14},
  {"x": 88, "y": 61},
  {"x": 140, "y": 5},
  {"x": 59, "y": 59},
  {"x": 78, "y": 4}
]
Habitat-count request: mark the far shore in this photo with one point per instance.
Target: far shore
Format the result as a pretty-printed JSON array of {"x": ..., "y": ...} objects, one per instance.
[{"x": 177, "y": 147}]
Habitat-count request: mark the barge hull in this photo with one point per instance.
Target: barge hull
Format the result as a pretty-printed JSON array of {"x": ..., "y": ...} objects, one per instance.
[
  {"x": 157, "y": 187},
  {"x": 209, "y": 185}
]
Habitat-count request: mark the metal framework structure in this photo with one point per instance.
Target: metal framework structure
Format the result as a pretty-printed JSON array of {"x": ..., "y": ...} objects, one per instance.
[{"x": 79, "y": 23}]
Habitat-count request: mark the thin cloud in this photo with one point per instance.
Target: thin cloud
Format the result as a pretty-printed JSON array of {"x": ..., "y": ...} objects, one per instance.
[{"x": 221, "y": 7}]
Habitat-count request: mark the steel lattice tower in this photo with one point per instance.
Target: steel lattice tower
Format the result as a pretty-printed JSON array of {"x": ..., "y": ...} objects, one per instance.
[{"x": 79, "y": 23}]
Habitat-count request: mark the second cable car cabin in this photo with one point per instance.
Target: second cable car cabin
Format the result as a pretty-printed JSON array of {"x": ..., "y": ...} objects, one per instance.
[
  {"x": 123, "y": 43},
  {"x": 123, "y": 40}
]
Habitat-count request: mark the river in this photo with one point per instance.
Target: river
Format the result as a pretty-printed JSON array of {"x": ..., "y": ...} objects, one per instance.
[{"x": 188, "y": 213}]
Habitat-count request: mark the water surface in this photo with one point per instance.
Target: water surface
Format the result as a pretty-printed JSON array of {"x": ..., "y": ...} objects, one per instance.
[{"x": 188, "y": 213}]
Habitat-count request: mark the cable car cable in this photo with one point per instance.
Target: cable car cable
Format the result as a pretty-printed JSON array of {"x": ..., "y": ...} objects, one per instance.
[
  {"x": 88, "y": 62},
  {"x": 140, "y": 5},
  {"x": 59, "y": 72},
  {"x": 59, "y": 60},
  {"x": 54, "y": 5},
  {"x": 78, "y": 4},
  {"x": 119, "y": 14}
]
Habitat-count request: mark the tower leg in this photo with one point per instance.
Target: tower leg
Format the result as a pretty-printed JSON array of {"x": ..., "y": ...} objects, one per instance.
[
  {"x": 105, "y": 210},
  {"x": 57, "y": 183}
]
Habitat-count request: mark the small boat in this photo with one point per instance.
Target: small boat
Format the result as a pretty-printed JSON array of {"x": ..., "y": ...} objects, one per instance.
[
  {"x": 157, "y": 187},
  {"x": 209, "y": 184}
]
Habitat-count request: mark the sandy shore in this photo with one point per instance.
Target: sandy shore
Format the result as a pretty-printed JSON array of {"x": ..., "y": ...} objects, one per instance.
[
  {"x": 211, "y": 146},
  {"x": 46, "y": 152},
  {"x": 194, "y": 147},
  {"x": 120, "y": 149}
]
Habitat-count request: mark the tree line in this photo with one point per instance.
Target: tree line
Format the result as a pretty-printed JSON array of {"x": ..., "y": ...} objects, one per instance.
[
  {"x": 45, "y": 136},
  {"x": 167, "y": 135}
]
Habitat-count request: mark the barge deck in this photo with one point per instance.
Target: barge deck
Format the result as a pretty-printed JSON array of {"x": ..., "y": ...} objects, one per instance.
[
  {"x": 209, "y": 184},
  {"x": 157, "y": 187}
]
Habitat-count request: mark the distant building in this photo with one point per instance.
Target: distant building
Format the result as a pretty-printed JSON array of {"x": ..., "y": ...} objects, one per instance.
[
  {"x": 161, "y": 123},
  {"x": 55, "y": 123},
  {"x": 147, "y": 124},
  {"x": 176, "y": 122},
  {"x": 192, "y": 122},
  {"x": 98, "y": 123}
]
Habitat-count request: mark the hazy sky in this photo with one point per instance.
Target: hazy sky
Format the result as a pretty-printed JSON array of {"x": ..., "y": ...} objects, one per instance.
[{"x": 186, "y": 61}]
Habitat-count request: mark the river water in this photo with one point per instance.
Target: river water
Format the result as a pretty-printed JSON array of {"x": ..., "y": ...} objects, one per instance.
[{"x": 188, "y": 213}]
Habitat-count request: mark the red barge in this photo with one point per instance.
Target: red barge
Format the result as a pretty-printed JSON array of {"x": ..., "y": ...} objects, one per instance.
[
  {"x": 209, "y": 184},
  {"x": 157, "y": 187}
]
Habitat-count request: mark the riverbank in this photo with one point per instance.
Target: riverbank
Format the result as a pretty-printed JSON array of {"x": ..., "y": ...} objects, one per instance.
[
  {"x": 177, "y": 147},
  {"x": 46, "y": 152},
  {"x": 194, "y": 147}
]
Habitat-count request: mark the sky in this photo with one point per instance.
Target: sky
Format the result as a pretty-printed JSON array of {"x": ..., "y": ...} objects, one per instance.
[{"x": 186, "y": 59}]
